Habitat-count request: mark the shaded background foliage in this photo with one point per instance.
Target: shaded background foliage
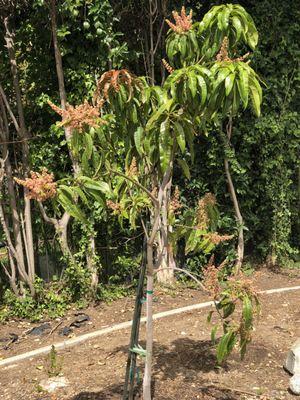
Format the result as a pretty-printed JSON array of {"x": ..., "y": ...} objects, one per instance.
[{"x": 99, "y": 35}]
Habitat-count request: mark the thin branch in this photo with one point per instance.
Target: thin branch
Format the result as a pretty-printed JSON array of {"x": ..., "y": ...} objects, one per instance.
[
  {"x": 159, "y": 36},
  {"x": 185, "y": 272},
  {"x": 145, "y": 229},
  {"x": 10, "y": 112},
  {"x": 48, "y": 219}
]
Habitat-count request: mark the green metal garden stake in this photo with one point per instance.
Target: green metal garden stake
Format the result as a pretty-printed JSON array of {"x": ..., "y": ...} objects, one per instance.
[{"x": 134, "y": 337}]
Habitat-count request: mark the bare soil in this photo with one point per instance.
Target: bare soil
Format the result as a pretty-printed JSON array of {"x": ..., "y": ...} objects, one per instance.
[{"x": 184, "y": 358}]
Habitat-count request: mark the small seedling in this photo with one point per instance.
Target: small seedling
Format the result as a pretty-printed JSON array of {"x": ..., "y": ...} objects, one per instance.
[{"x": 54, "y": 363}]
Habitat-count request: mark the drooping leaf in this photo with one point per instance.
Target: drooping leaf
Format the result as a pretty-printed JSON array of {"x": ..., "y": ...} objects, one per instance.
[
  {"x": 180, "y": 136},
  {"x": 185, "y": 168},
  {"x": 138, "y": 134}
]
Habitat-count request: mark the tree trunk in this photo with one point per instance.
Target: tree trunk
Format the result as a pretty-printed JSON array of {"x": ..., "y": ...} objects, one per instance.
[
  {"x": 25, "y": 149},
  {"x": 91, "y": 263},
  {"x": 234, "y": 199},
  {"x": 156, "y": 225},
  {"x": 68, "y": 133},
  {"x": 165, "y": 273}
]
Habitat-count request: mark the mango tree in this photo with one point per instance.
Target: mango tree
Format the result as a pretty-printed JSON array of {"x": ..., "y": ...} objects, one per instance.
[{"x": 153, "y": 127}]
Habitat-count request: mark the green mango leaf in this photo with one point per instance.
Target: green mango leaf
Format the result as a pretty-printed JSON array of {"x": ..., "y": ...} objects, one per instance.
[
  {"x": 228, "y": 309},
  {"x": 255, "y": 100},
  {"x": 213, "y": 334},
  {"x": 66, "y": 197},
  {"x": 157, "y": 114},
  {"x": 192, "y": 84},
  {"x": 225, "y": 345},
  {"x": 229, "y": 82},
  {"x": 243, "y": 85},
  {"x": 237, "y": 26},
  {"x": 138, "y": 134},
  {"x": 247, "y": 312},
  {"x": 90, "y": 183},
  {"x": 185, "y": 168},
  {"x": 180, "y": 136},
  {"x": 203, "y": 88}
]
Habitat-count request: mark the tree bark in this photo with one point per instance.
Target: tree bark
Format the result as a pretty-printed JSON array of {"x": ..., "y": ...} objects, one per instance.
[
  {"x": 91, "y": 263},
  {"x": 235, "y": 202},
  {"x": 23, "y": 133},
  {"x": 156, "y": 225},
  {"x": 61, "y": 229},
  {"x": 68, "y": 133},
  {"x": 165, "y": 273}
]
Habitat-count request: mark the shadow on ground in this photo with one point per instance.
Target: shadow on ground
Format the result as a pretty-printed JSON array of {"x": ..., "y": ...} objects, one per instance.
[
  {"x": 179, "y": 373},
  {"x": 187, "y": 393}
]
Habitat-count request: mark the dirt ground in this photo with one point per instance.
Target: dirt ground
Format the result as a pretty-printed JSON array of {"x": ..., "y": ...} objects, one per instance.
[{"x": 184, "y": 358}]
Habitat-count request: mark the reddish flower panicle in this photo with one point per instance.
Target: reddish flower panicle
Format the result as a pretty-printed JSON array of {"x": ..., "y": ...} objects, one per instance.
[
  {"x": 40, "y": 186},
  {"x": 132, "y": 170},
  {"x": 167, "y": 66},
  {"x": 202, "y": 216},
  {"x": 215, "y": 238},
  {"x": 183, "y": 22},
  {"x": 116, "y": 207},
  {"x": 111, "y": 80},
  {"x": 81, "y": 116},
  {"x": 223, "y": 53}
]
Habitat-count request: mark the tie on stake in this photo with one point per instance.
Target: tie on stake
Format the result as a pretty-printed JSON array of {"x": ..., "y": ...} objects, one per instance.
[{"x": 134, "y": 348}]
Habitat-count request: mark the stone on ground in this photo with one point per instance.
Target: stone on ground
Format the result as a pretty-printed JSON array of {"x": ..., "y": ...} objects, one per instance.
[
  {"x": 295, "y": 384},
  {"x": 292, "y": 363},
  {"x": 52, "y": 384}
]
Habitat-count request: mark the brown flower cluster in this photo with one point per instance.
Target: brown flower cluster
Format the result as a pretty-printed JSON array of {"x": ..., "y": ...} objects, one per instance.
[
  {"x": 223, "y": 53},
  {"x": 116, "y": 207},
  {"x": 40, "y": 186},
  {"x": 112, "y": 80},
  {"x": 132, "y": 171},
  {"x": 241, "y": 284},
  {"x": 211, "y": 279},
  {"x": 183, "y": 22},
  {"x": 202, "y": 217},
  {"x": 215, "y": 238},
  {"x": 167, "y": 66},
  {"x": 80, "y": 116},
  {"x": 175, "y": 204}
]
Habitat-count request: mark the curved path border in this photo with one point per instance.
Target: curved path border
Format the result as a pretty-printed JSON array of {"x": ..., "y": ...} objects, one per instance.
[{"x": 79, "y": 339}]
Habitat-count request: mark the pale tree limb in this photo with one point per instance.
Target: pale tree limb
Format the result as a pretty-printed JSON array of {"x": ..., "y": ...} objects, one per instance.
[
  {"x": 235, "y": 202},
  {"x": 23, "y": 133}
]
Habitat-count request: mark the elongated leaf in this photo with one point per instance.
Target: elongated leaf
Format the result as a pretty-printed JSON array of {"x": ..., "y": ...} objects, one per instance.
[
  {"x": 255, "y": 99},
  {"x": 243, "y": 85},
  {"x": 155, "y": 116},
  {"x": 66, "y": 199},
  {"x": 180, "y": 136},
  {"x": 229, "y": 81},
  {"x": 247, "y": 312},
  {"x": 237, "y": 26},
  {"x": 203, "y": 88},
  {"x": 213, "y": 334},
  {"x": 89, "y": 183},
  {"x": 225, "y": 345},
  {"x": 77, "y": 190},
  {"x": 192, "y": 83},
  {"x": 138, "y": 134},
  {"x": 185, "y": 168},
  {"x": 223, "y": 19}
]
